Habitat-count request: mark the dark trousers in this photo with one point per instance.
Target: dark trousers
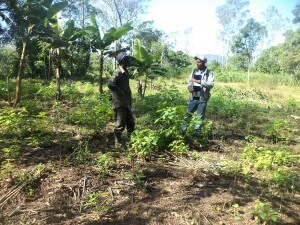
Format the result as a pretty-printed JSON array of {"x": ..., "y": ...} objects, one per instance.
[{"x": 125, "y": 119}]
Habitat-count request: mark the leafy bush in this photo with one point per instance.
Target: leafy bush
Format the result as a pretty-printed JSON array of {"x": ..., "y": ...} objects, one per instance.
[
  {"x": 153, "y": 103},
  {"x": 8, "y": 58},
  {"x": 268, "y": 158},
  {"x": 144, "y": 143},
  {"x": 32, "y": 106},
  {"x": 286, "y": 179},
  {"x": 12, "y": 151},
  {"x": 30, "y": 88},
  {"x": 92, "y": 111},
  {"x": 164, "y": 137},
  {"x": 70, "y": 91},
  {"x": 178, "y": 146},
  {"x": 18, "y": 122},
  {"x": 277, "y": 130},
  {"x": 264, "y": 212},
  {"x": 292, "y": 106},
  {"x": 104, "y": 162},
  {"x": 6, "y": 89},
  {"x": 47, "y": 92},
  {"x": 230, "y": 76},
  {"x": 229, "y": 102},
  {"x": 7, "y": 159}
]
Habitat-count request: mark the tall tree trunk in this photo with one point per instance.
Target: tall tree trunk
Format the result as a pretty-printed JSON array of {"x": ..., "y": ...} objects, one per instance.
[
  {"x": 227, "y": 56},
  {"x": 118, "y": 12},
  {"x": 248, "y": 72},
  {"x": 72, "y": 64},
  {"x": 8, "y": 90},
  {"x": 101, "y": 62},
  {"x": 21, "y": 70},
  {"x": 49, "y": 65},
  {"x": 45, "y": 64},
  {"x": 140, "y": 89},
  {"x": 145, "y": 86},
  {"x": 83, "y": 14},
  {"x": 57, "y": 72}
]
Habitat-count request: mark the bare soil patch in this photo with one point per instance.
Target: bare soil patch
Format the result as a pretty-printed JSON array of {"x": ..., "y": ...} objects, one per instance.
[{"x": 175, "y": 190}]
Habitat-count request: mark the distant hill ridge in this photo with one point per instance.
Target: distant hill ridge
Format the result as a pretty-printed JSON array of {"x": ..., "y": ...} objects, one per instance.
[{"x": 211, "y": 57}]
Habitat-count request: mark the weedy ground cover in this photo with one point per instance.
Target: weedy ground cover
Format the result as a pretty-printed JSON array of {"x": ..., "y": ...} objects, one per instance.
[{"x": 243, "y": 168}]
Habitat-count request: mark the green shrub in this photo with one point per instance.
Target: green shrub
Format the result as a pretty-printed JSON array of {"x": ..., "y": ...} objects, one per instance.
[
  {"x": 47, "y": 92},
  {"x": 6, "y": 89},
  {"x": 289, "y": 180},
  {"x": 292, "y": 106},
  {"x": 231, "y": 76},
  {"x": 70, "y": 91},
  {"x": 32, "y": 106},
  {"x": 144, "y": 143},
  {"x": 93, "y": 112},
  {"x": 164, "y": 135},
  {"x": 264, "y": 213},
  {"x": 231, "y": 104},
  {"x": 268, "y": 158},
  {"x": 152, "y": 103},
  {"x": 30, "y": 88},
  {"x": 104, "y": 162},
  {"x": 277, "y": 130},
  {"x": 178, "y": 146},
  {"x": 19, "y": 123}
]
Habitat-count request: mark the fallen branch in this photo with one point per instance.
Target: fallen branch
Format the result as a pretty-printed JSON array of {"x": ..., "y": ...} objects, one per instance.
[{"x": 16, "y": 189}]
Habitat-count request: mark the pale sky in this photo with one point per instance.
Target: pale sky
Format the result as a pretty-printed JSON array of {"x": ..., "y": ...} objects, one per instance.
[{"x": 196, "y": 23}]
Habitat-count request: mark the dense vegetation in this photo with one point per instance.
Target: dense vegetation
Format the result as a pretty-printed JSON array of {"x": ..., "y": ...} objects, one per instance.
[
  {"x": 249, "y": 147},
  {"x": 58, "y": 161}
]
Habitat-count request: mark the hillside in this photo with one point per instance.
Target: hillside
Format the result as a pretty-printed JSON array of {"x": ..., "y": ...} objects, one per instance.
[
  {"x": 59, "y": 164},
  {"x": 211, "y": 57}
]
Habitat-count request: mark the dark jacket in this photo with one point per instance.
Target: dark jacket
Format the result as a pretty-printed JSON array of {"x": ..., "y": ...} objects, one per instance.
[{"x": 121, "y": 92}]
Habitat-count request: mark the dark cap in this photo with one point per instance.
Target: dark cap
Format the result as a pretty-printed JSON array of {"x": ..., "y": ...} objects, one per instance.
[{"x": 121, "y": 56}]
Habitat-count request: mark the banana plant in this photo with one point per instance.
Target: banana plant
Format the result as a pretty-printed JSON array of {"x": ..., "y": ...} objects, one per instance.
[
  {"x": 28, "y": 15},
  {"x": 101, "y": 43},
  {"x": 61, "y": 38},
  {"x": 146, "y": 65}
]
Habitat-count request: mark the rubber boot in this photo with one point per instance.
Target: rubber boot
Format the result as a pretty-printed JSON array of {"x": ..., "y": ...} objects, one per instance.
[
  {"x": 118, "y": 141},
  {"x": 128, "y": 137}
]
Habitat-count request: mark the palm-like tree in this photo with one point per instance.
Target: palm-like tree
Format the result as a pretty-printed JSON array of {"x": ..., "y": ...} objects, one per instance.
[
  {"x": 101, "y": 44},
  {"x": 146, "y": 65},
  {"x": 61, "y": 38},
  {"x": 25, "y": 17}
]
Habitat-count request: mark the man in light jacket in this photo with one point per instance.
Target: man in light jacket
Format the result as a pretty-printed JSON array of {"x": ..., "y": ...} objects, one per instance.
[{"x": 199, "y": 84}]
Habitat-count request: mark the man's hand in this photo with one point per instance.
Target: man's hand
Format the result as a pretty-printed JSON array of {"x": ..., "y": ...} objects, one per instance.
[
  {"x": 122, "y": 68},
  {"x": 196, "y": 81},
  {"x": 191, "y": 89}
]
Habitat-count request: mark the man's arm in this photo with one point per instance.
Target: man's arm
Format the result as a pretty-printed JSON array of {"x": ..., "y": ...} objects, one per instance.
[
  {"x": 209, "y": 83},
  {"x": 112, "y": 84},
  {"x": 190, "y": 82}
]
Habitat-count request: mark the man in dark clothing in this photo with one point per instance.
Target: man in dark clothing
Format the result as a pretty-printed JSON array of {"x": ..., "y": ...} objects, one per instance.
[
  {"x": 199, "y": 84},
  {"x": 121, "y": 99}
]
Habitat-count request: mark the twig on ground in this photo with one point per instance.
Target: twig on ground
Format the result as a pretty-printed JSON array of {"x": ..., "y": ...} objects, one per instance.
[
  {"x": 111, "y": 193},
  {"x": 83, "y": 192}
]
